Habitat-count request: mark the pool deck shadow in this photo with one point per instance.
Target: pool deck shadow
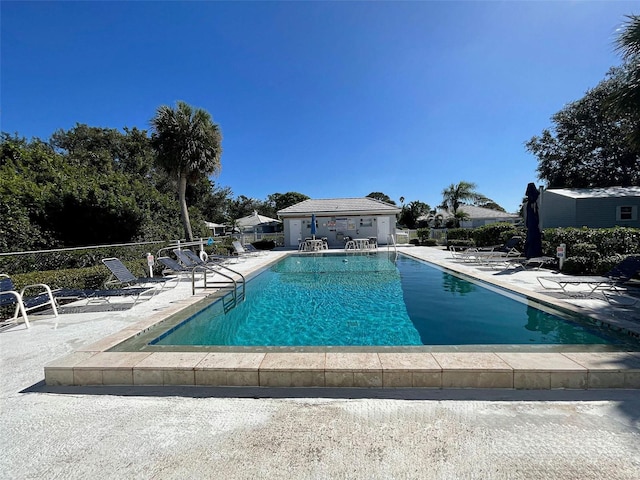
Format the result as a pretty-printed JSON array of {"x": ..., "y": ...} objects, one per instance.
[
  {"x": 94, "y": 366},
  {"x": 477, "y": 394}
]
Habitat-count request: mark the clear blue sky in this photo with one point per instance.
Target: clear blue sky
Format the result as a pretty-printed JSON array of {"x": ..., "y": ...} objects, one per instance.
[{"x": 329, "y": 99}]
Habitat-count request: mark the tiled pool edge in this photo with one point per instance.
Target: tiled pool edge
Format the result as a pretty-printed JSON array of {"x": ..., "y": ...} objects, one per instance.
[
  {"x": 516, "y": 370},
  {"x": 95, "y": 365}
]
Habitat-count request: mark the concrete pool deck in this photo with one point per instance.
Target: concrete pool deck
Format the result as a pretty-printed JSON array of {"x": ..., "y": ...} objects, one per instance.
[
  {"x": 490, "y": 367},
  {"x": 177, "y": 432}
]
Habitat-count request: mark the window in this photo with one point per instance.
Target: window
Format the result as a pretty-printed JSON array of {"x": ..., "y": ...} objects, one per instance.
[{"x": 627, "y": 213}]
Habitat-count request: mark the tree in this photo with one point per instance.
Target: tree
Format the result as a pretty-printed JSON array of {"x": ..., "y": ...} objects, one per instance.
[
  {"x": 435, "y": 220},
  {"x": 279, "y": 201},
  {"x": 484, "y": 202},
  {"x": 411, "y": 212},
  {"x": 456, "y": 194},
  {"x": 626, "y": 99},
  {"x": 188, "y": 146},
  {"x": 242, "y": 206},
  {"x": 383, "y": 197},
  {"x": 589, "y": 144}
]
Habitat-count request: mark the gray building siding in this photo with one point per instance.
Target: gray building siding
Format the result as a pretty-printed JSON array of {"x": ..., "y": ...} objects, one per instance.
[
  {"x": 558, "y": 210},
  {"x": 603, "y": 212}
]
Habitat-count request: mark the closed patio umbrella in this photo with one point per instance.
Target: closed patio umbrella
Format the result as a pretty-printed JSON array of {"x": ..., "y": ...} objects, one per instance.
[
  {"x": 313, "y": 225},
  {"x": 533, "y": 243}
]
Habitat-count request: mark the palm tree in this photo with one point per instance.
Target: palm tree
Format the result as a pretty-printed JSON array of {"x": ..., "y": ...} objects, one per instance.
[
  {"x": 455, "y": 194},
  {"x": 188, "y": 146},
  {"x": 628, "y": 41},
  {"x": 627, "y": 98}
]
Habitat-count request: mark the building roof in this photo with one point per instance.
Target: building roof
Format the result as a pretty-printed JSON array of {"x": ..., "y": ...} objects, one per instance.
[
  {"x": 254, "y": 219},
  {"x": 340, "y": 206},
  {"x": 603, "y": 192},
  {"x": 478, "y": 213}
]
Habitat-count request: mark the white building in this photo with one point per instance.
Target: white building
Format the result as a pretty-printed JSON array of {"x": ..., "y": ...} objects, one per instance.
[
  {"x": 337, "y": 218},
  {"x": 478, "y": 216}
]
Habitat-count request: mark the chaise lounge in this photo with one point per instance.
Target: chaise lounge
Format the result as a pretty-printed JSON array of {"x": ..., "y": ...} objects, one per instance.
[
  {"x": 9, "y": 296},
  {"x": 614, "y": 278}
]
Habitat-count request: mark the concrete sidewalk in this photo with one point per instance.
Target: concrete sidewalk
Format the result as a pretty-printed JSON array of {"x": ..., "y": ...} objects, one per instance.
[{"x": 242, "y": 433}]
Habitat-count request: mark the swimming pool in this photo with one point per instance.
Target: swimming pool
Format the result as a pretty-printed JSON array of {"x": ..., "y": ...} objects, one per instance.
[{"x": 368, "y": 300}]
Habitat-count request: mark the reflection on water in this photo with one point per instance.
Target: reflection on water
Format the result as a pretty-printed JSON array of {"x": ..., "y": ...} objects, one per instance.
[
  {"x": 456, "y": 285},
  {"x": 538, "y": 321}
]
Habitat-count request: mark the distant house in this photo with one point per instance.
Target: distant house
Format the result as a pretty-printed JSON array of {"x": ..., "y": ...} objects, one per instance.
[
  {"x": 256, "y": 223},
  {"x": 337, "y": 218},
  {"x": 590, "y": 207},
  {"x": 478, "y": 216}
]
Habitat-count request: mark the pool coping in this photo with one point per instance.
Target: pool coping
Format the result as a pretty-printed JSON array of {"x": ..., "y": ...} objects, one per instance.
[{"x": 499, "y": 368}]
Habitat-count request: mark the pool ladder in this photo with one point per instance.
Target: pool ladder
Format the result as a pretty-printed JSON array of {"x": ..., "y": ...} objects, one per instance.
[
  {"x": 392, "y": 255},
  {"x": 238, "y": 289}
]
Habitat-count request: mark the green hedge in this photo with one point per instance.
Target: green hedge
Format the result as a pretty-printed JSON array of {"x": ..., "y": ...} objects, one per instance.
[
  {"x": 70, "y": 259},
  {"x": 264, "y": 244},
  {"x": 460, "y": 234},
  {"x": 461, "y": 243},
  {"x": 496, "y": 234},
  {"x": 608, "y": 241},
  {"x": 92, "y": 277}
]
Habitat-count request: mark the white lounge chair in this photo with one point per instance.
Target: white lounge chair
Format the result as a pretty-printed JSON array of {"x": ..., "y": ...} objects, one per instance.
[
  {"x": 121, "y": 277},
  {"x": 617, "y": 276},
  {"x": 241, "y": 251},
  {"x": 9, "y": 296}
]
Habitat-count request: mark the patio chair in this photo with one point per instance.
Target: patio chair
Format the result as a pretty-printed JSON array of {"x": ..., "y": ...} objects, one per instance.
[
  {"x": 122, "y": 277},
  {"x": 173, "y": 267},
  {"x": 10, "y": 296},
  {"x": 209, "y": 260},
  {"x": 93, "y": 296},
  {"x": 251, "y": 249},
  {"x": 241, "y": 251},
  {"x": 616, "y": 277}
]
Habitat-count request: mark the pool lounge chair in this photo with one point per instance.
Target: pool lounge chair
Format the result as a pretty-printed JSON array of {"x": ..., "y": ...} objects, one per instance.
[
  {"x": 251, "y": 249},
  {"x": 209, "y": 260},
  {"x": 243, "y": 252},
  {"x": 475, "y": 254},
  {"x": 121, "y": 277},
  {"x": 9, "y": 295},
  {"x": 488, "y": 257},
  {"x": 173, "y": 267},
  {"x": 614, "y": 278}
]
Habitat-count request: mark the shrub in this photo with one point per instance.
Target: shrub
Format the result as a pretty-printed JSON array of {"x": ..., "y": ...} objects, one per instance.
[
  {"x": 429, "y": 242},
  {"x": 414, "y": 241},
  {"x": 423, "y": 233},
  {"x": 577, "y": 265},
  {"x": 81, "y": 278},
  {"x": 608, "y": 241},
  {"x": 460, "y": 243},
  {"x": 71, "y": 259},
  {"x": 264, "y": 244},
  {"x": 586, "y": 250},
  {"x": 604, "y": 264},
  {"x": 495, "y": 234},
  {"x": 459, "y": 234}
]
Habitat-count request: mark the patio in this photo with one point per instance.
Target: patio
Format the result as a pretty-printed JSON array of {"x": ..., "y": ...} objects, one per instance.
[{"x": 256, "y": 432}]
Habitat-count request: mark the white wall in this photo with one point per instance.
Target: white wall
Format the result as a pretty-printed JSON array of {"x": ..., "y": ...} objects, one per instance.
[{"x": 334, "y": 228}]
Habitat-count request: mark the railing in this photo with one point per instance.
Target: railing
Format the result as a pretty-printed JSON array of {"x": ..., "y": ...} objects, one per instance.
[
  {"x": 391, "y": 242},
  {"x": 213, "y": 268},
  {"x": 234, "y": 292}
]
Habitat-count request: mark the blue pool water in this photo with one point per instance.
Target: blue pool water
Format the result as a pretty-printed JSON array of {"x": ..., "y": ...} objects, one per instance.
[{"x": 336, "y": 300}]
